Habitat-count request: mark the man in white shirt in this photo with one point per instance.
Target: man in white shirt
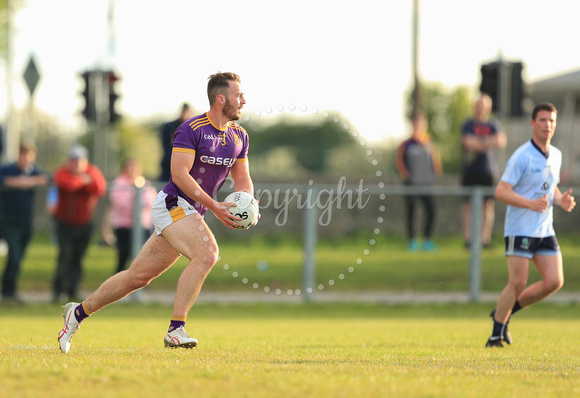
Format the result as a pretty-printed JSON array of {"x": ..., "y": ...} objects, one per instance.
[{"x": 529, "y": 186}]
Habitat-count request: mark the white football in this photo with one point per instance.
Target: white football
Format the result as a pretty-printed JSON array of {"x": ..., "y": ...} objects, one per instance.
[{"x": 247, "y": 208}]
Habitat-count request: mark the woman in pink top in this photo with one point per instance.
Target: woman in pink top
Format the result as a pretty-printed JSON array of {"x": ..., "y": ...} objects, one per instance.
[{"x": 122, "y": 198}]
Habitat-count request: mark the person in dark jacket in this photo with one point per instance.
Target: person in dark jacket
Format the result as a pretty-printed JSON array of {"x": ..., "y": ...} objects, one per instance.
[
  {"x": 167, "y": 133},
  {"x": 18, "y": 181}
]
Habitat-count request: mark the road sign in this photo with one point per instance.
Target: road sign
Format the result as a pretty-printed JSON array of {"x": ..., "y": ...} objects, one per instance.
[{"x": 31, "y": 76}]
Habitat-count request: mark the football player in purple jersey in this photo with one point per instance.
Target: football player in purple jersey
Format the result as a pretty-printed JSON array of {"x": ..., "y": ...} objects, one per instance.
[{"x": 206, "y": 149}]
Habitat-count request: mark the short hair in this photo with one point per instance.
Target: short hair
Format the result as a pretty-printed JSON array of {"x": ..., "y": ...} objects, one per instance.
[
  {"x": 26, "y": 147},
  {"x": 219, "y": 83},
  {"x": 544, "y": 106}
]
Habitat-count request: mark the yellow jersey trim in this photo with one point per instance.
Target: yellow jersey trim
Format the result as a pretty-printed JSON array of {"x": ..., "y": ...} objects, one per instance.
[
  {"x": 202, "y": 121},
  {"x": 184, "y": 150},
  {"x": 213, "y": 124}
]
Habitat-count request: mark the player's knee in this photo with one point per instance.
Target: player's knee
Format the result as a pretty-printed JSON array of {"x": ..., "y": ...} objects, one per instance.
[
  {"x": 518, "y": 286},
  {"x": 208, "y": 259},
  {"x": 137, "y": 280},
  {"x": 554, "y": 285}
]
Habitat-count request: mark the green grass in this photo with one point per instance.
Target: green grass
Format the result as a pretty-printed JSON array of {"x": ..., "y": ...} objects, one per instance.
[
  {"x": 298, "y": 350},
  {"x": 308, "y": 350},
  {"x": 351, "y": 264}
]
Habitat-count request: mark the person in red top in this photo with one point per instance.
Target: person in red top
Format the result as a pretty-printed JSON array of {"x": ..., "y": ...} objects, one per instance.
[{"x": 80, "y": 186}]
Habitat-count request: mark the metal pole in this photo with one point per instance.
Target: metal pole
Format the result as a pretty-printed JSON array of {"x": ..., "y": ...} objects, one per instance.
[
  {"x": 99, "y": 86},
  {"x": 310, "y": 239},
  {"x": 137, "y": 232},
  {"x": 415, "y": 58},
  {"x": 11, "y": 137},
  {"x": 504, "y": 89},
  {"x": 475, "y": 250}
]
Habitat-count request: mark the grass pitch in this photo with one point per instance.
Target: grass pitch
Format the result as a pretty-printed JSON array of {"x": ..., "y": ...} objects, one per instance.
[{"x": 308, "y": 350}]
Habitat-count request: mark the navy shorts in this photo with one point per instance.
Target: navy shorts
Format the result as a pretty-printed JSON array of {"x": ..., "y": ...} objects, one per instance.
[
  {"x": 471, "y": 179},
  {"x": 528, "y": 247},
  {"x": 481, "y": 179}
]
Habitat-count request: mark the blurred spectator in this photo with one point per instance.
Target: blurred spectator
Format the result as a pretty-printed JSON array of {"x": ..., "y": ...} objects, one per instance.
[
  {"x": 120, "y": 212},
  {"x": 480, "y": 138},
  {"x": 80, "y": 185},
  {"x": 167, "y": 132},
  {"x": 18, "y": 181},
  {"x": 419, "y": 164}
]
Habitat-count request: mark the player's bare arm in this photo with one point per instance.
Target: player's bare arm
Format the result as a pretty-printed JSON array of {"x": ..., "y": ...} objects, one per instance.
[
  {"x": 505, "y": 193},
  {"x": 565, "y": 201},
  {"x": 240, "y": 173},
  {"x": 181, "y": 164}
]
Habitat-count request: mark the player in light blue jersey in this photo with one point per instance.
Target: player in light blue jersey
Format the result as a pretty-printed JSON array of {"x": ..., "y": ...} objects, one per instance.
[
  {"x": 206, "y": 149},
  {"x": 529, "y": 187}
]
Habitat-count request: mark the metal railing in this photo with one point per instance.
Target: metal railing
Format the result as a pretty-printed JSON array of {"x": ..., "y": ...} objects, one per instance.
[
  {"x": 310, "y": 222},
  {"x": 477, "y": 195}
]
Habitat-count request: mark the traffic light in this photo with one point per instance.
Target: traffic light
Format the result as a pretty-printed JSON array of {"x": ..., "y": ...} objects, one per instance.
[
  {"x": 518, "y": 91},
  {"x": 112, "y": 79},
  {"x": 88, "y": 93},
  {"x": 491, "y": 84},
  {"x": 100, "y": 96}
]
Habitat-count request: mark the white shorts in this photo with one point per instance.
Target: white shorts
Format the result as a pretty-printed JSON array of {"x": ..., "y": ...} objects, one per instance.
[{"x": 163, "y": 217}]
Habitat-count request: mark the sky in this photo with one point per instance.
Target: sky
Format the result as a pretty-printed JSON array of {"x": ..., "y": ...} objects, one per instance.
[{"x": 294, "y": 57}]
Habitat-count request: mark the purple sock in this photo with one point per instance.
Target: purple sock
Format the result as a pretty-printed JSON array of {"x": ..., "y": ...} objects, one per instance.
[
  {"x": 174, "y": 325},
  {"x": 80, "y": 313}
]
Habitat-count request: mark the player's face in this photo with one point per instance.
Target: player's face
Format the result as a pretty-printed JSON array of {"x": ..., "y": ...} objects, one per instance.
[
  {"x": 544, "y": 126},
  {"x": 234, "y": 102}
]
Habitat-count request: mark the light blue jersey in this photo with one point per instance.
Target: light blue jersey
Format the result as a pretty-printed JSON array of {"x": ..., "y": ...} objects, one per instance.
[{"x": 533, "y": 175}]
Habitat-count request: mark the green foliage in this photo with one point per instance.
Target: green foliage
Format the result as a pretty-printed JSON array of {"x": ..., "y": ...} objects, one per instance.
[
  {"x": 142, "y": 143},
  {"x": 446, "y": 110},
  {"x": 4, "y": 15},
  {"x": 310, "y": 141},
  {"x": 46, "y": 132},
  {"x": 3, "y": 26}
]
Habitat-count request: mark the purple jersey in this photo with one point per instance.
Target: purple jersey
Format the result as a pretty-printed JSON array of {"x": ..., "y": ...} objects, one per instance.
[{"x": 215, "y": 150}]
